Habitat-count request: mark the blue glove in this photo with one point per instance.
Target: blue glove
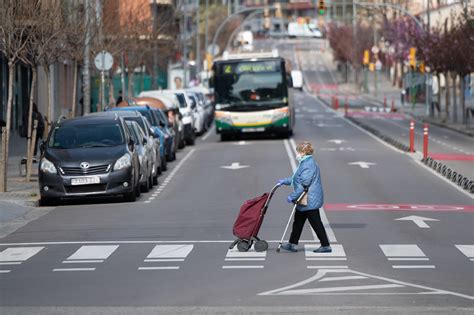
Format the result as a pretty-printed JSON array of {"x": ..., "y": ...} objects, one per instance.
[
  {"x": 289, "y": 199},
  {"x": 281, "y": 182}
]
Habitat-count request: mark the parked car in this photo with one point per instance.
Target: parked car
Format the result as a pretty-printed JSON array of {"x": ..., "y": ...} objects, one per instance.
[
  {"x": 186, "y": 110},
  {"x": 145, "y": 155},
  {"x": 204, "y": 96},
  {"x": 152, "y": 143},
  {"x": 171, "y": 104},
  {"x": 198, "y": 113},
  {"x": 159, "y": 128},
  {"x": 88, "y": 156},
  {"x": 297, "y": 79}
]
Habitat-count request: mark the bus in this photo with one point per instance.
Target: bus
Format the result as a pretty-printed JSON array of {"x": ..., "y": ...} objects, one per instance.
[{"x": 252, "y": 95}]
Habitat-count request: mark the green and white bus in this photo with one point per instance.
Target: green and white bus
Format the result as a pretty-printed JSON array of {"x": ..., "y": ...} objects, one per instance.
[{"x": 252, "y": 95}]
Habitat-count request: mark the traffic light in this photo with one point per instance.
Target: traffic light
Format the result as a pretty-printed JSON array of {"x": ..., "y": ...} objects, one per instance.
[{"x": 322, "y": 7}]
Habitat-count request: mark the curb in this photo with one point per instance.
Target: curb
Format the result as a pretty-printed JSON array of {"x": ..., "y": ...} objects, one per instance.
[{"x": 450, "y": 174}]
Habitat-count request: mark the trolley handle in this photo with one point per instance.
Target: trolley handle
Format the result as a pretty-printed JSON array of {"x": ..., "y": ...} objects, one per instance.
[{"x": 270, "y": 195}]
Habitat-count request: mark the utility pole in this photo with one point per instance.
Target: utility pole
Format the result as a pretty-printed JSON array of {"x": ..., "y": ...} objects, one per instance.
[
  {"x": 343, "y": 11},
  {"x": 198, "y": 42},
  {"x": 86, "y": 94},
  {"x": 354, "y": 36},
  {"x": 154, "y": 81},
  {"x": 206, "y": 31},
  {"x": 185, "y": 45}
]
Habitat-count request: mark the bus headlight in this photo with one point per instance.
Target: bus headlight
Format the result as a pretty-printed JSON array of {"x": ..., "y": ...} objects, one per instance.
[
  {"x": 280, "y": 114},
  {"x": 223, "y": 117}
]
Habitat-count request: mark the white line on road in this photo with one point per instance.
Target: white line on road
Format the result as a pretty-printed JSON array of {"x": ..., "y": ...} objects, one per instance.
[
  {"x": 326, "y": 259},
  {"x": 326, "y": 279},
  {"x": 208, "y": 134},
  {"x": 92, "y": 261},
  {"x": 88, "y": 252},
  {"x": 339, "y": 289},
  {"x": 413, "y": 267},
  {"x": 327, "y": 267},
  {"x": 163, "y": 260},
  {"x": 243, "y": 267},
  {"x": 19, "y": 253},
  {"x": 5, "y": 271},
  {"x": 138, "y": 242},
  {"x": 73, "y": 269},
  {"x": 159, "y": 268},
  {"x": 10, "y": 263},
  {"x": 402, "y": 250},
  {"x": 408, "y": 259},
  {"x": 244, "y": 259}
]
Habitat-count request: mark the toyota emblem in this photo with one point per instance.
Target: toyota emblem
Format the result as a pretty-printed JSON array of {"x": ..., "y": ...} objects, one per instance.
[{"x": 85, "y": 165}]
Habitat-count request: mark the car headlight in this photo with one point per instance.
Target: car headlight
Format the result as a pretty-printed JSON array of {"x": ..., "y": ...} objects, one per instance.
[
  {"x": 48, "y": 167},
  {"x": 124, "y": 162}
]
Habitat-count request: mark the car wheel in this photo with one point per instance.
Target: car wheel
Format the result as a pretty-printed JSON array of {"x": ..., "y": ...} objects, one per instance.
[
  {"x": 144, "y": 187},
  {"x": 150, "y": 181},
  {"x": 164, "y": 164},
  {"x": 138, "y": 190},
  {"x": 190, "y": 141},
  {"x": 155, "y": 178},
  {"x": 181, "y": 144}
]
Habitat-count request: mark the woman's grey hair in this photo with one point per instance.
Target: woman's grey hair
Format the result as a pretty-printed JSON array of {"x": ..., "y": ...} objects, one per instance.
[{"x": 305, "y": 147}]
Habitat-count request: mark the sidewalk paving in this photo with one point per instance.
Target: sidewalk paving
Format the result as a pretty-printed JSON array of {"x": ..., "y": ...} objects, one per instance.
[{"x": 385, "y": 89}]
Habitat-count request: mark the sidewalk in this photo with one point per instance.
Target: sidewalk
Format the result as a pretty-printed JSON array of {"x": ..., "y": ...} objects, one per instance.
[
  {"x": 18, "y": 190},
  {"x": 385, "y": 89}
]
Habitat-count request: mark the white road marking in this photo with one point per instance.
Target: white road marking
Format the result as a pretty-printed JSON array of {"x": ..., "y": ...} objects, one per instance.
[
  {"x": 163, "y": 260},
  {"x": 159, "y": 268},
  {"x": 337, "y": 251},
  {"x": 413, "y": 267},
  {"x": 5, "y": 271},
  {"x": 467, "y": 250},
  {"x": 341, "y": 289},
  {"x": 168, "y": 179},
  {"x": 208, "y": 134},
  {"x": 234, "y": 253},
  {"x": 19, "y": 254},
  {"x": 235, "y": 166},
  {"x": 327, "y": 267},
  {"x": 136, "y": 242},
  {"x": 324, "y": 219},
  {"x": 344, "y": 278},
  {"x": 10, "y": 263},
  {"x": 170, "y": 251},
  {"x": 83, "y": 261},
  {"x": 408, "y": 259},
  {"x": 73, "y": 269},
  {"x": 243, "y": 267},
  {"x": 402, "y": 250},
  {"x": 244, "y": 259},
  {"x": 325, "y": 259},
  {"x": 362, "y": 164},
  {"x": 419, "y": 221},
  {"x": 93, "y": 252}
]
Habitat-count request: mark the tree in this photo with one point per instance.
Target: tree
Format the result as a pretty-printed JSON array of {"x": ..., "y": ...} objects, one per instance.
[{"x": 14, "y": 36}]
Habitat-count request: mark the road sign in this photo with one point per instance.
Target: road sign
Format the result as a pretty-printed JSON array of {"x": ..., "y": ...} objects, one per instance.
[
  {"x": 103, "y": 61},
  {"x": 235, "y": 166},
  {"x": 213, "y": 50},
  {"x": 420, "y": 221},
  {"x": 362, "y": 164}
]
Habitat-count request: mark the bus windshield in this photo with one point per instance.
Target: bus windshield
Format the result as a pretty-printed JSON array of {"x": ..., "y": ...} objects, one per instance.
[{"x": 251, "y": 83}]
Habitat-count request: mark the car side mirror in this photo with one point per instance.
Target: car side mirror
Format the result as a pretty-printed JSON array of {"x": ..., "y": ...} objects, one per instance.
[
  {"x": 289, "y": 81},
  {"x": 152, "y": 132}
]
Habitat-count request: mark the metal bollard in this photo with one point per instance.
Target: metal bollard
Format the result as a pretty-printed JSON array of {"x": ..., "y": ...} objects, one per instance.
[
  {"x": 425, "y": 141},
  {"x": 346, "y": 107},
  {"x": 412, "y": 136},
  {"x": 392, "y": 109},
  {"x": 384, "y": 103}
]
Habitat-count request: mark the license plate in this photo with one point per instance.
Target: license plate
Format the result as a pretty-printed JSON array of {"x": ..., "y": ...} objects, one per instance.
[
  {"x": 253, "y": 129},
  {"x": 85, "y": 180}
]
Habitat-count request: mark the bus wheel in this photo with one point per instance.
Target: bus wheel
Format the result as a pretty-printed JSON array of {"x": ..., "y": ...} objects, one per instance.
[{"x": 225, "y": 137}]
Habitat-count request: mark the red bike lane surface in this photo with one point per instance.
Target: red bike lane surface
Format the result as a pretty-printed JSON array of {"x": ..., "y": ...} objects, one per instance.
[{"x": 397, "y": 207}]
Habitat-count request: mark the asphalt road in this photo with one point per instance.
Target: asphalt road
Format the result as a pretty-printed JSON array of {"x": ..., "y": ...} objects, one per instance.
[{"x": 168, "y": 252}]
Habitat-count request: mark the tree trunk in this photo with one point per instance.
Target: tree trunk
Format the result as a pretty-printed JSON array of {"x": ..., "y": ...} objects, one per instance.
[
  {"x": 49, "y": 109},
  {"x": 29, "y": 154},
  {"x": 462, "y": 84},
  {"x": 74, "y": 89},
  {"x": 455, "y": 98},
  {"x": 11, "y": 78},
  {"x": 439, "y": 95},
  {"x": 395, "y": 74},
  {"x": 130, "y": 84},
  {"x": 446, "y": 90}
]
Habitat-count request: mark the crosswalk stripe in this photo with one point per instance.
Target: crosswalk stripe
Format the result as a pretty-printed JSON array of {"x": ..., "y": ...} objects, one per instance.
[
  {"x": 402, "y": 250},
  {"x": 19, "y": 254},
  {"x": 94, "y": 252},
  {"x": 467, "y": 250},
  {"x": 170, "y": 251}
]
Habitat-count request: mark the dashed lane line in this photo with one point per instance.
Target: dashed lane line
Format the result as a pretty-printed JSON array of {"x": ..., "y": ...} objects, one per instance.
[{"x": 168, "y": 179}]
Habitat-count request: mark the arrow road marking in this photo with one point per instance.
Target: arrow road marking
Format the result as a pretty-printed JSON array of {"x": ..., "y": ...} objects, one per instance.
[
  {"x": 235, "y": 166},
  {"x": 420, "y": 221},
  {"x": 362, "y": 164}
]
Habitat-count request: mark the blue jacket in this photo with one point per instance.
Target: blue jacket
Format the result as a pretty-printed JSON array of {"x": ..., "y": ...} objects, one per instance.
[{"x": 302, "y": 178}]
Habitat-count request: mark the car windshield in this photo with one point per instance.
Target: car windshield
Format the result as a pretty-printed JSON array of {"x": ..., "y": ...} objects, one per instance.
[
  {"x": 250, "y": 84},
  {"x": 86, "y": 136},
  {"x": 149, "y": 116},
  {"x": 181, "y": 99}
]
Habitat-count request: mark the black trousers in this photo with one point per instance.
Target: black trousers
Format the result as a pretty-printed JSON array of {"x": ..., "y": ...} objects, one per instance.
[{"x": 314, "y": 219}]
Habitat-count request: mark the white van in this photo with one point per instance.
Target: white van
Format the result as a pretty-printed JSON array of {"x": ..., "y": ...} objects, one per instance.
[
  {"x": 303, "y": 30},
  {"x": 297, "y": 78}
]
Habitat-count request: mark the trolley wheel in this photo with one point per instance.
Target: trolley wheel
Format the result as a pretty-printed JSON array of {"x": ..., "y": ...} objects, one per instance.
[
  {"x": 261, "y": 246},
  {"x": 278, "y": 249},
  {"x": 243, "y": 246}
]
